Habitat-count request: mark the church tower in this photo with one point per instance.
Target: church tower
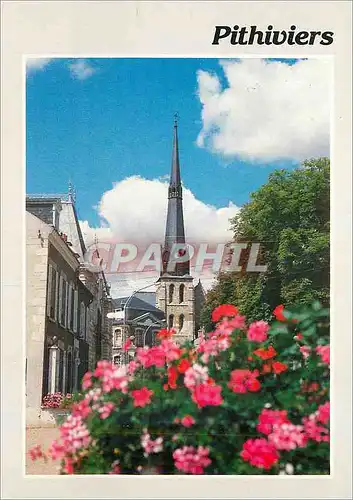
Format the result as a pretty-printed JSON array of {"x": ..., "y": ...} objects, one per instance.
[{"x": 175, "y": 294}]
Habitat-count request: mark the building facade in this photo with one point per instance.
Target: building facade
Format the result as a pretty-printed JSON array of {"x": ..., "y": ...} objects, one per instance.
[{"x": 67, "y": 304}]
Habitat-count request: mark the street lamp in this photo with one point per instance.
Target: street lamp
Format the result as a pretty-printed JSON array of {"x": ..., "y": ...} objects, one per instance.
[{"x": 150, "y": 326}]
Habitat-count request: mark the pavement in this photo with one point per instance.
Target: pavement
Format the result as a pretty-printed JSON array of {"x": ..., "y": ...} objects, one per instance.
[{"x": 43, "y": 436}]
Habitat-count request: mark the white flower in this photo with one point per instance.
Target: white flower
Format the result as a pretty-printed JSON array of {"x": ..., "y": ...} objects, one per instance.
[{"x": 289, "y": 469}]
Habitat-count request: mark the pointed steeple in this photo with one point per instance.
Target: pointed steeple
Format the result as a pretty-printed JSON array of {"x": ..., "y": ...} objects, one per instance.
[{"x": 175, "y": 233}]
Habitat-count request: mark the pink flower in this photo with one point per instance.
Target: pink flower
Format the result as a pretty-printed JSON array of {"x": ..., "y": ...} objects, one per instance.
[
  {"x": 87, "y": 381},
  {"x": 191, "y": 460},
  {"x": 142, "y": 397},
  {"x": 115, "y": 468},
  {"x": 243, "y": 381},
  {"x": 151, "y": 356},
  {"x": 268, "y": 418},
  {"x": 259, "y": 453},
  {"x": 82, "y": 409},
  {"x": 194, "y": 375},
  {"x": 229, "y": 325},
  {"x": 106, "y": 410},
  {"x": 132, "y": 367},
  {"x": 257, "y": 331},
  {"x": 287, "y": 436},
  {"x": 207, "y": 395},
  {"x": 171, "y": 350},
  {"x": 324, "y": 352},
  {"x": 127, "y": 345},
  {"x": 187, "y": 421},
  {"x": 68, "y": 466},
  {"x": 314, "y": 431},
  {"x": 224, "y": 311},
  {"x": 74, "y": 437},
  {"x": 323, "y": 413},
  {"x": 305, "y": 350},
  {"x": 149, "y": 445},
  {"x": 36, "y": 452}
]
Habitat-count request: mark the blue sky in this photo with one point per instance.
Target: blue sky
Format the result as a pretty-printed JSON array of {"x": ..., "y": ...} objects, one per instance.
[{"x": 114, "y": 119}]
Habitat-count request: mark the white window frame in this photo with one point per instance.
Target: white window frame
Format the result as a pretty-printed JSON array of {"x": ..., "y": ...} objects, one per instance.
[
  {"x": 50, "y": 279},
  {"x": 69, "y": 308},
  {"x": 120, "y": 334},
  {"x": 61, "y": 279}
]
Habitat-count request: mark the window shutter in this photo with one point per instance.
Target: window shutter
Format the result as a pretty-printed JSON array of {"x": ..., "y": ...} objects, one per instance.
[
  {"x": 56, "y": 295},
  {"x": 75, "y": 310},
  {"x": 60, "y": 297},
  {"x": 50, "y": 279},
  {"x": 69, "y": 298}
]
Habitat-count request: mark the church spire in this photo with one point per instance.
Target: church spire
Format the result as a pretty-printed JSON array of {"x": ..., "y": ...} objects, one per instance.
[{"x": 175, "y": 233}]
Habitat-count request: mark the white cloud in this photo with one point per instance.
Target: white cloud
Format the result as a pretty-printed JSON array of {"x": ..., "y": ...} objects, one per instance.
[
  {"x": 81, "y": 69},
  {"x": 266, "y": 110},
  {"x": 36, "y": 63},
  {"x": 134, "y": 211}
]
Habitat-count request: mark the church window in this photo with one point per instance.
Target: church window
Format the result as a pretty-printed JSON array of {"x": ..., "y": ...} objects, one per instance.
[
  {"x": 117, "y": 337},
  {"x": 117, "y": 359},
  {"x": 181, "y": 321},
  {"x": 171, "y": 293},
  {"x": 171, "y": 321},
  {"x": 181, "y": 293}
]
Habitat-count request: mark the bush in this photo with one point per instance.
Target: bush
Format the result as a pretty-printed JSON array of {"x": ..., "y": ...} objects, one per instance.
[{"x": 249, "y": 399}]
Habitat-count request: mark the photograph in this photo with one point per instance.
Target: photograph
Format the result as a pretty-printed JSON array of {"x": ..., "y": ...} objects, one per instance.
[{"x": 177, "y": 265}]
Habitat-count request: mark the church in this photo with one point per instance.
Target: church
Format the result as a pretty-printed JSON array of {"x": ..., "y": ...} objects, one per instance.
[
  {"x": 177, "y": 302},
  {"x": 176, "y": 294}
]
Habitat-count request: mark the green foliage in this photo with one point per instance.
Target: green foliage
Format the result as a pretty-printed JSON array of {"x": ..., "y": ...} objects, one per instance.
[{"x": 290, "y": 217}]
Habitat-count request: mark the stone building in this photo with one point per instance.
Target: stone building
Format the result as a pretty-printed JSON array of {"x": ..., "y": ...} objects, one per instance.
[
  {"x": 176, "y": 294},
  {"x": 140, "y": 322},
  {"x": 66, "y": 304}
]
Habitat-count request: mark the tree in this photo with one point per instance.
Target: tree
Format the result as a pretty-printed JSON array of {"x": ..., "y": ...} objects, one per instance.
[{"x": 290, "y": 217}]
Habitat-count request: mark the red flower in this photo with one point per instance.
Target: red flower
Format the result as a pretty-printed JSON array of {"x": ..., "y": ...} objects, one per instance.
[
  {"x": 298, "y": 336},
  {"x": 278, "y": 312},
  {"x": 225, "y": 310},
  {"x": 243, "y": 381},
  {"x": 324, "y": 352},
  {"x": 278, "y": 367},
  {"x": 183, "y": 365},
  {"x": 268, "y": 418},
  {"x": 187, "y": 421},
  {"x": 165, "y": 333},
  {"x": 265, "y": 353},
  {"x": 142, "y": 397},
  {"x": 259, "y": 453},
  {"x": 172, "y": 377},
  {"x": 266, "y": 368},
  {"x": 207, "y": 395}
]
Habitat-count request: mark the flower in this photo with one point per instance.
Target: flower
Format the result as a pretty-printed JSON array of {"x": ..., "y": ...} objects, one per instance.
[
  {"x": 106, "y": 410},
  {"x": 278, "y": 367},
  {"x": 207, "y": 395},
  {"x": 187, "y": 421},
  {"x": 287, "y": 436},
  {"x": 268, "y": 418},
  {"x": 305, "y": 350},
  {"x": 225, "y": 310},
  {"x": 171, "y": 350},
  {"x": 151, "y": 356},
  {"x": 243, "y": 381},
  {"x": 229, "y": 325},
  {"x": 115, "y": 468},
  {"x": 278, "y": 313},
  {"x": 265, "y": 353},
  {"x": 298, "y": 336},
  {"x": 259, "y": 453},
  {"x": 191, "y": 460},
  {"x": 82, "y": 408},
  {"x": 323, "y": 413},
  {"x": 194, "y": 375},
  {"x": 127, "y": 345},
  {"x": 324, "y": 352},
  {"x": 142, "y": 397},
  {"x": 172, "y": 377},
  {"x": 36, "y": 452},
  {"x": 314, "y": 431},
  {"x": 183, "y": 365},
  {"x": 87, "y": 381},
  {"x": 149, "y": 445},
  {"x": 165, "y": 333},
  {"x": 257, "y": 331}
]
